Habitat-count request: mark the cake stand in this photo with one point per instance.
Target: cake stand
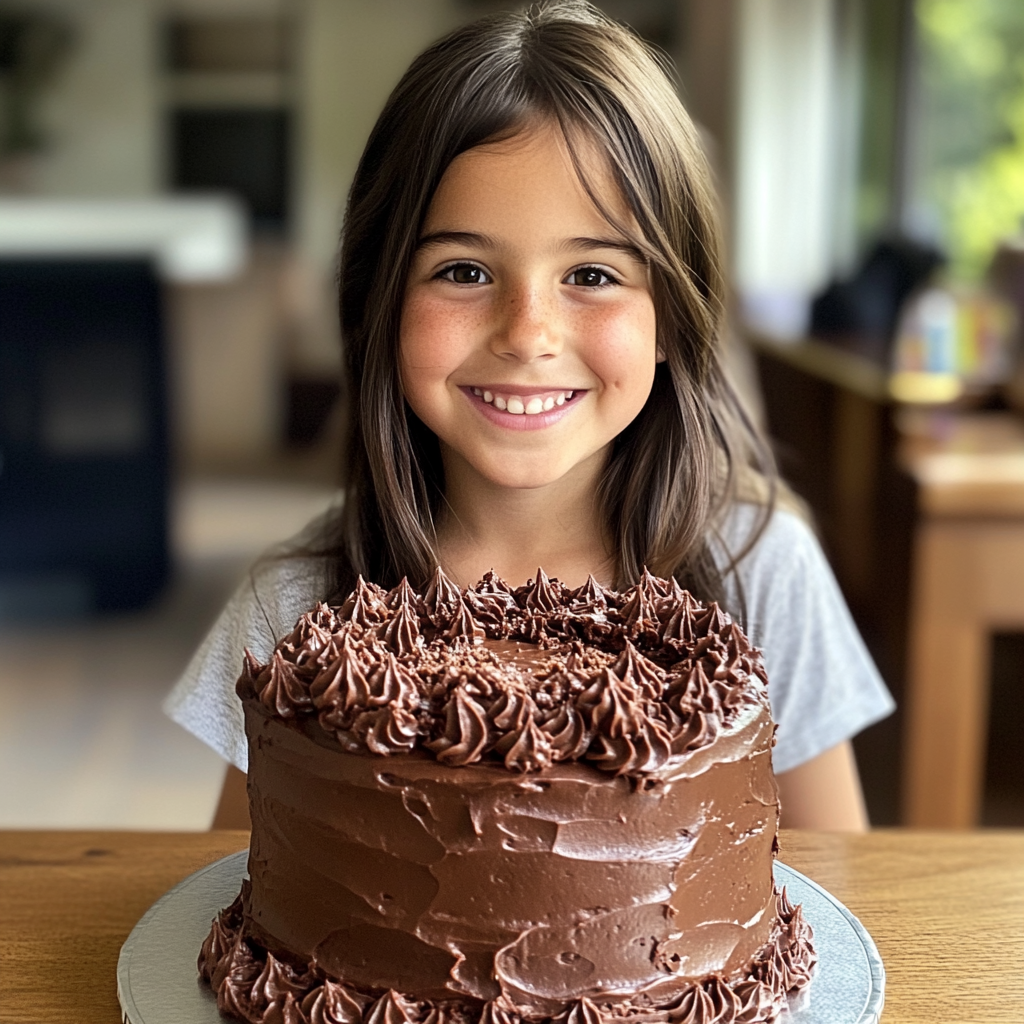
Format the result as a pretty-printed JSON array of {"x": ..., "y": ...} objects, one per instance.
[{"x": 157, "y": 980}]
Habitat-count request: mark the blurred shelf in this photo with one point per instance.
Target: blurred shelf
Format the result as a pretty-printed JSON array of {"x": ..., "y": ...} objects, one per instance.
[
  {"x": 859, "y": 374},
  {"x": 227, "y": 89},
  {"x": 196, "y": 239},
  {"x": 829, "y": 363}
]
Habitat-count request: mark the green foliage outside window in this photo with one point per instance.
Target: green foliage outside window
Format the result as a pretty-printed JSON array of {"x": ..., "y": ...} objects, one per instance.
[{"x": 971, "y": 141}]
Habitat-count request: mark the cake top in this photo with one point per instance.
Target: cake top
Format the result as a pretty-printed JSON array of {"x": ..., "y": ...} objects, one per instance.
[{"x": 625, "y": 681}]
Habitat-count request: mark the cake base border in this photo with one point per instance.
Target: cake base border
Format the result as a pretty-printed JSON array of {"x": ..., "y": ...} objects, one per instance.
[{"x": 157, "y": 980}]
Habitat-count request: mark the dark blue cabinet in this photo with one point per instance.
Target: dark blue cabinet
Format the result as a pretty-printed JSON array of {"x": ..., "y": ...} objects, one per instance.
[{"x": 83, "y": 436}]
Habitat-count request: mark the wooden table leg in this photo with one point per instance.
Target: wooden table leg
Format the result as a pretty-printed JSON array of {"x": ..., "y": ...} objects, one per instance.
[
  {"x": 947, "y": 694},
  {"x": 968, "y": 582}
]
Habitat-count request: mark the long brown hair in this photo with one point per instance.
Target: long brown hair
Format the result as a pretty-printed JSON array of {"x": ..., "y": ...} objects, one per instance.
[{"x": 674, "y": 470}]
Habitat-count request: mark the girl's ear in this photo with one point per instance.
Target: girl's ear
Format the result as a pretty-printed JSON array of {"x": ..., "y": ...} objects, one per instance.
[{"x": 659, "y": 354}]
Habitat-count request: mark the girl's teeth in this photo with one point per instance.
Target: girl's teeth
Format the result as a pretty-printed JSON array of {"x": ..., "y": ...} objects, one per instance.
[{"x": 518, "y": 407}]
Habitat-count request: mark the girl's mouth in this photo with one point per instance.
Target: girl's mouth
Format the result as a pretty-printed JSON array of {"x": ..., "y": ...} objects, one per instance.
[
  {"x": 525, "y": 408},
  {"x": 524, "y": 405}
]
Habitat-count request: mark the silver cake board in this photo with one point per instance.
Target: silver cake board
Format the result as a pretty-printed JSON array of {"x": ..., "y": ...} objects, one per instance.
[{"x": 158, "y": 983}]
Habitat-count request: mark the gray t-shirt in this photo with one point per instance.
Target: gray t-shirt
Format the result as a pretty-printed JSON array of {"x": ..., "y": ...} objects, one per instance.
[{"x": 823, "y": 686}]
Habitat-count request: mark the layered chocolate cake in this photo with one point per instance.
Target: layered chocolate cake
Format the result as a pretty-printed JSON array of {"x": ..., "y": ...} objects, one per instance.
[{"x": 494, "y": 805}]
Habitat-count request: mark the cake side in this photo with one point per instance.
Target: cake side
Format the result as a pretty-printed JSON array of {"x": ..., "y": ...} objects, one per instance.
[
  {"x": 477, "y": 883},
  {"x": 556, "y": 803}
]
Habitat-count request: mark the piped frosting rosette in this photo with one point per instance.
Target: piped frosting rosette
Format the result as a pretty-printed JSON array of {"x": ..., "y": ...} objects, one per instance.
[{"x": 627, "y": 682}]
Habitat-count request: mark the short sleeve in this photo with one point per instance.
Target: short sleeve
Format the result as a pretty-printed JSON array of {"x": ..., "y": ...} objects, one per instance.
[
  {"x": 264, "y": 608},
  {"x": 822, "y": 684}
]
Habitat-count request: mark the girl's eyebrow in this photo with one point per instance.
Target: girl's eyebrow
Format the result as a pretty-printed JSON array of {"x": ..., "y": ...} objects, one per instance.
[
  {"x": 620, "y": 244},
  {"x": 480, "y": 241},
  {"x": 470, "y": 238}
]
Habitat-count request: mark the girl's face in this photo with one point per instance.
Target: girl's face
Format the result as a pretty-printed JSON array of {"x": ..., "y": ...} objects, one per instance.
[{"x": 528, "y": 329}]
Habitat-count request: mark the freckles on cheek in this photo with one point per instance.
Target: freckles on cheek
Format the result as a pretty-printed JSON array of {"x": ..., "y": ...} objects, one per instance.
[
  {"x": 419, "y": 335},
  {"x": 435, "y": 336}
]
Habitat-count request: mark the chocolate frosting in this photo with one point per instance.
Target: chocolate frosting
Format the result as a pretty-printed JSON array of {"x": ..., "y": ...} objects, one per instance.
[
  {"x": 497, "y": 805},
  {"x": 628, "y": 682}
]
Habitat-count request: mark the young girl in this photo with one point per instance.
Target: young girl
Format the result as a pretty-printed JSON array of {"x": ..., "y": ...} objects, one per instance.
[{"x": 532, "y": 306}]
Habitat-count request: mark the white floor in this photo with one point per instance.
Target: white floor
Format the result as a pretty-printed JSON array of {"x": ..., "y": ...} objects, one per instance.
[{"x": 83, "y": 743}]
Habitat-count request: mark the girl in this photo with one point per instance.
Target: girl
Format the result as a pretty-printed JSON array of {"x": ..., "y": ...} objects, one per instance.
[{"x": 532, "y": 305}]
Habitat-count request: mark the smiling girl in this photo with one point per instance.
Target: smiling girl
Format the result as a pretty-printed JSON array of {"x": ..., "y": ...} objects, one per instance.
[
  {"x": 527, "y": 345},
  {"x": 532, "y": 304}
]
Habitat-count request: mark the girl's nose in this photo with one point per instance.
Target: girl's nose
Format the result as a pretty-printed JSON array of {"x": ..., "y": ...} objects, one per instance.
[{"x": 528, "y": 326}]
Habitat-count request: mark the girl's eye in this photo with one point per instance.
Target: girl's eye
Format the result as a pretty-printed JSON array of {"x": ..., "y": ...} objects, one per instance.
[
  {"x": 590, "y": 277},
  {"x": 465, "y": 273}
]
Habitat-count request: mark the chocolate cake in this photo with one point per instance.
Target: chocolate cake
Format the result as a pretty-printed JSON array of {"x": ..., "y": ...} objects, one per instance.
[{"x": 494, "y": 805}]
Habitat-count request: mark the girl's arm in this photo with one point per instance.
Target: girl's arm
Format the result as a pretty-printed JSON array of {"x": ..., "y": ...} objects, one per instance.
[
  {"x": 824, "y": 793},
  {"x": 233, "y": 807}
]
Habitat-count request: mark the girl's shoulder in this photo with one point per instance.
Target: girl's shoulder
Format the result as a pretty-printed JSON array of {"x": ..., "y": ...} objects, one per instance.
[
  {"x": 781, "y": 582},
  {"x": 783, "y": 540},
  {"x": 276, "y": 591},
  {"x": 822, "y": 682},
  {"x": 286, "y": 581}
]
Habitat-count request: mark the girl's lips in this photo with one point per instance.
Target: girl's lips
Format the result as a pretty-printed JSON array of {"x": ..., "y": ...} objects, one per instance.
[{"x": 523, "y": 408}]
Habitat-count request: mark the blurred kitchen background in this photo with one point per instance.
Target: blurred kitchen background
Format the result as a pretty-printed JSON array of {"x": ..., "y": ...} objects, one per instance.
[{"x": 172, "y": 176}]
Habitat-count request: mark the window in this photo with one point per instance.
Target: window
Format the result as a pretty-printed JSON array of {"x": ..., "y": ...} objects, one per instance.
[{"x": 967, "y": 140}]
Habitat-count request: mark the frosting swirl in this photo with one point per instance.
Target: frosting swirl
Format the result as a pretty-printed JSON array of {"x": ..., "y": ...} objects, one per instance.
[{"x": 628, "y": 682}]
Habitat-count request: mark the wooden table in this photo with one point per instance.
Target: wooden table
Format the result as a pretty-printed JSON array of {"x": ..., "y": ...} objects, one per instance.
[
  {"x": 968, "y": 582},
  {"x": 922, "y": 514},
  {"x": 946, "y": 910}
]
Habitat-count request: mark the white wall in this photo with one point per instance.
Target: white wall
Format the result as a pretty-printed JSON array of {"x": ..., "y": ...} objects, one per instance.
[
  {"x": 101, "y": 113},
  {"x": 352, "y": 53},
  {"x": 795, "y": 154}
]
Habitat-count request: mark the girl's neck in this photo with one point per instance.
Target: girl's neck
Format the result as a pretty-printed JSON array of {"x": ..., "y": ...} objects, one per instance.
[{"x": 515, "y": 530}]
